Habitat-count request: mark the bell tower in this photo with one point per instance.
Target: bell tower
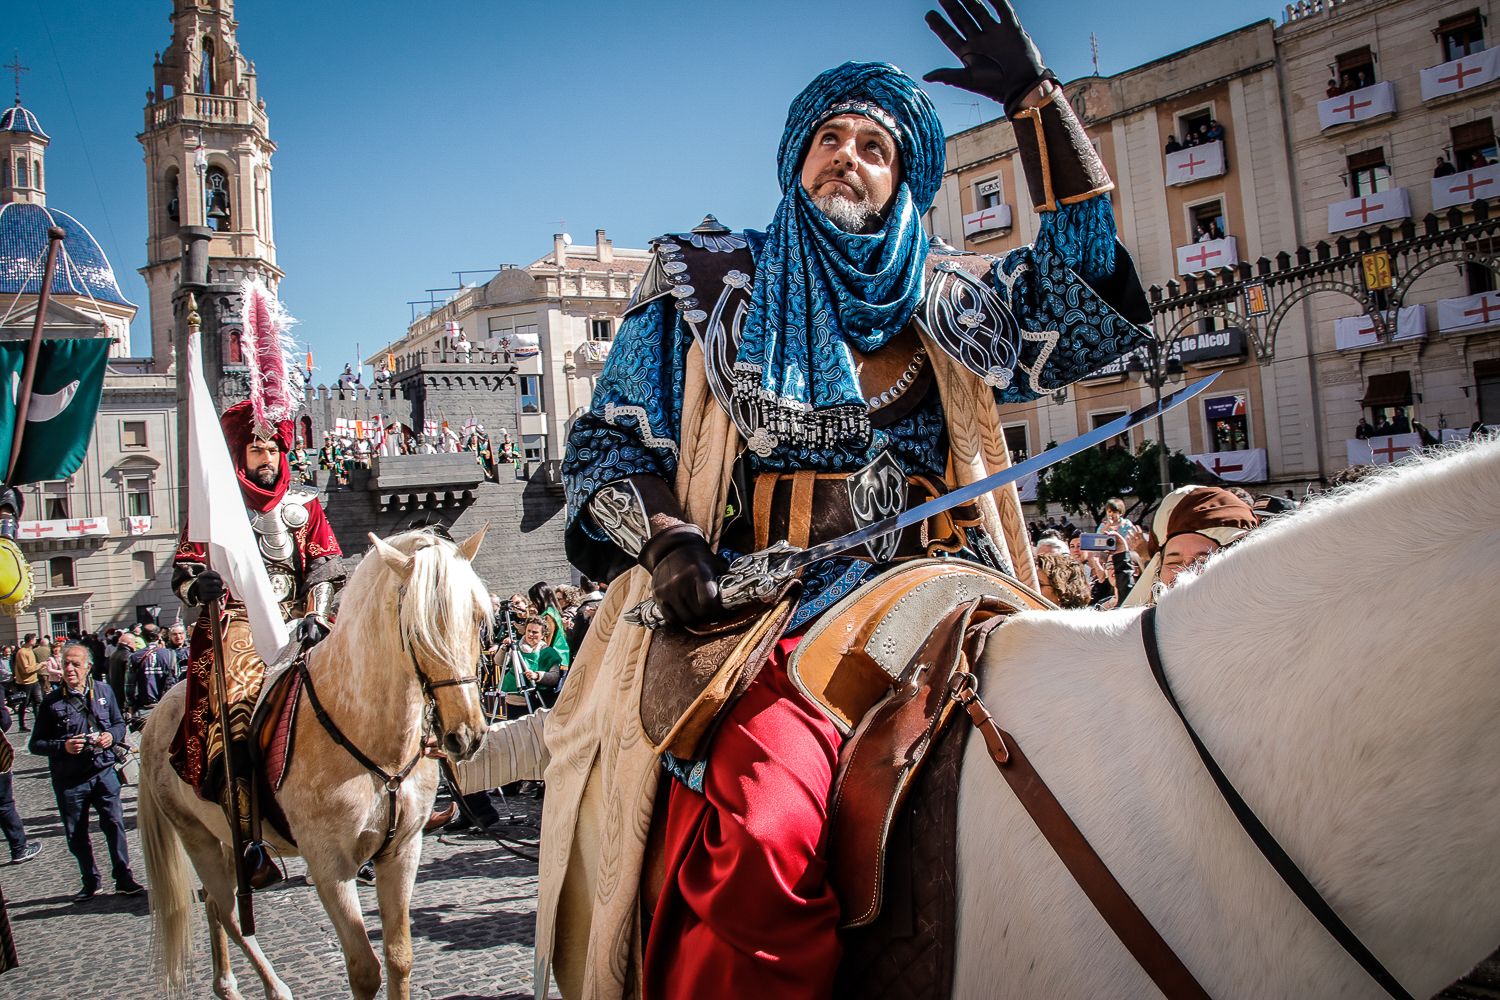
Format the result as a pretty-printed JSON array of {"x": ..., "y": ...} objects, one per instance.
[{"x": 208, "y": 153}]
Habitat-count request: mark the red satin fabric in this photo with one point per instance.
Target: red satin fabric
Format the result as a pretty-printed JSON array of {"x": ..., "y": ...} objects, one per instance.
[{"x": 746, "y": 909}]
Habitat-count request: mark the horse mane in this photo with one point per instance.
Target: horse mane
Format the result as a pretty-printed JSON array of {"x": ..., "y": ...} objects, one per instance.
[{"x": 438, "y": 602}]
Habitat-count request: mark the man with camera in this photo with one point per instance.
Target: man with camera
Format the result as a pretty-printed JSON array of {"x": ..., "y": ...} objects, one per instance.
[{"x": 77, "y": 728}]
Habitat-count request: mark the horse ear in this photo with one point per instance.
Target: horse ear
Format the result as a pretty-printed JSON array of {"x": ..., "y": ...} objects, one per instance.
[
  {"x": 469, "y": 547},
  {"x": 398, "y": 561}
]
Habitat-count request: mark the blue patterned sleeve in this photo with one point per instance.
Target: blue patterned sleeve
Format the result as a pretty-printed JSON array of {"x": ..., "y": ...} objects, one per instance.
[
  {"x": 1083, "y": 235},
  {"x": 1075, "y": 297},
  {"x": 631, "y": 428}
]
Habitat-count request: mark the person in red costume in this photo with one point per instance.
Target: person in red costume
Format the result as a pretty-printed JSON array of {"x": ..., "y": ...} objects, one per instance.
[{"x": 305, "y": 565}]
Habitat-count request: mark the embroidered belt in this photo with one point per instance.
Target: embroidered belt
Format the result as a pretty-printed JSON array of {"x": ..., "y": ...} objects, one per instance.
[{"x": 806, "y": 508}]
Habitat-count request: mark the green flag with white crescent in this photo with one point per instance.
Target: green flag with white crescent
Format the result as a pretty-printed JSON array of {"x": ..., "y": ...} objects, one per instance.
[{"x": 64, "y": 400}]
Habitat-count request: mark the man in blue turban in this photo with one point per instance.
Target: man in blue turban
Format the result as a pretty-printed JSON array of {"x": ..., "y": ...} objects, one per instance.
[{"x": 791, "y": 385}]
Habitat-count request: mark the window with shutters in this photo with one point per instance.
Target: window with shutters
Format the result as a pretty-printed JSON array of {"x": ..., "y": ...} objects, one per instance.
[
  {"x": 1368, "y": 173},
  {"x": 60, "y": 571},
  {"x": 1356, "y": 68},
  {"x": 1474, "y": 144},
  {"x": 1477, "y": 277},
  {"x": 1460, "y": 35},
  {"x": 133, "y": 434},
  {"x": 138, "y": 496},
  {"x": 142, "y": 566}
]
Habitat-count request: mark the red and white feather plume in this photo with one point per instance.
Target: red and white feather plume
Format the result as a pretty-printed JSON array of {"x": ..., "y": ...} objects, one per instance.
[{"x": 275, "y": 380}]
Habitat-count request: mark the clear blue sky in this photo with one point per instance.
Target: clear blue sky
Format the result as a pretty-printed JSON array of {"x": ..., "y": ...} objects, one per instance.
[{"x": 419, "y": 138}]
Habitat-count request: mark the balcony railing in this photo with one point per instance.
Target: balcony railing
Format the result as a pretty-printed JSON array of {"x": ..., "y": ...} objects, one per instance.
[
  {"x": 1195, "y": 163},
  {"x": 1208, "y": 255},
  {"x": 71, "y": 527},
  {"x": 1468, "y": 311},
  {"x": 993, "y": 219},
  {"x": 1358, "y": 105},
  {"x": 1465, "y": 187},
  {"x": 208, "y": 108},
  {"x": 1355, "y": 332},
  {"x": 1369, "y": 210},
  {"x": 1466, "y": 73}
]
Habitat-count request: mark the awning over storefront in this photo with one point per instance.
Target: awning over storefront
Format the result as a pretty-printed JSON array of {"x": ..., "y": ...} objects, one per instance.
[{"x": 1388, "y": 389}]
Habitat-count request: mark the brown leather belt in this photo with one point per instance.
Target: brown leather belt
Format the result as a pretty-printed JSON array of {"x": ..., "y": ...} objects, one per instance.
[{"x": 806, "y": 508}]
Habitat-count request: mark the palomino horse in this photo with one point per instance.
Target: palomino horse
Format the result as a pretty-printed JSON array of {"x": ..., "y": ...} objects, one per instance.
[
  {"x": 1339, "y": 665},
  {"x": 408, "y": 626}
]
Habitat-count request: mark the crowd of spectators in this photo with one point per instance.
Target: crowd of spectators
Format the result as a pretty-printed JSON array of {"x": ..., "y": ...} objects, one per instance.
[
  {"x": 1121, "y": 564},
  {"x": 1385, "y": 423},
  {"x": 1209, "y": 131},
  {"x": 1347, "y": 83},
  {"x": 1466, "y": 160},
  {"x": 529, "y": 645}
]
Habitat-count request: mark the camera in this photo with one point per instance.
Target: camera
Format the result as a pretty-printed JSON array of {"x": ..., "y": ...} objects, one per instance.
[{"x": 1090, "y": 542}]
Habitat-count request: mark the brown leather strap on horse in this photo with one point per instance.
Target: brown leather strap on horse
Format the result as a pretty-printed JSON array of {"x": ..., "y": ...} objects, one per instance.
[{"x": 1127, "y": 921}]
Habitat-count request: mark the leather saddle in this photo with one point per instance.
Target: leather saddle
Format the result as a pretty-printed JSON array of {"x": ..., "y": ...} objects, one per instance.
[{"x": 273, "y": 728}]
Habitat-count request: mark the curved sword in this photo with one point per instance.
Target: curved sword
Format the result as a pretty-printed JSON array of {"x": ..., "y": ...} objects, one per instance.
[{"x": 758, "y": 577}]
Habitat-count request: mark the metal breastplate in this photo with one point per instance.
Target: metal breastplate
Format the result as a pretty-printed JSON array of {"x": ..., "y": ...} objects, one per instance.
[{"x": 278, "y": 548}]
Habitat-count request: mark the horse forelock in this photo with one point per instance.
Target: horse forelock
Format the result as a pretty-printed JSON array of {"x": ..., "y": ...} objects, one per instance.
[{"x": 437, "y": 603}]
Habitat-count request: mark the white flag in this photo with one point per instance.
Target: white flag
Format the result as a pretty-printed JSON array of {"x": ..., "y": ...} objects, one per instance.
[{"x": 216, "y": 514}]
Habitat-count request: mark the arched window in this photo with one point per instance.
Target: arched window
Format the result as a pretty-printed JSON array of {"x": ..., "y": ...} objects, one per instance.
[
  {"x": 216, "y": 199},
  {"x": 60, "y": 571},
  {"x": 236, "y": 348},
  {"x": 5, "y": 173},
  {"x": 206, "y": 68},
  {"x": 21, "y": 172},
  {"x": 36, "y": 173},
  {"x": 307, "y": 432},
  {"x": 170, "y": 197}
]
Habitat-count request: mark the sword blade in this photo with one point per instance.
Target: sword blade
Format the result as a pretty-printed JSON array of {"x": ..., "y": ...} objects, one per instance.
[{"x": 964, "y": 494}]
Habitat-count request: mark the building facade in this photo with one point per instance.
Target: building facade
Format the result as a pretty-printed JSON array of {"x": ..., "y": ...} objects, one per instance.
[
  {"x": 1229, "y": 152},
  {"x": 554, "y": 319},
  {"x": 99, "y": 543}
]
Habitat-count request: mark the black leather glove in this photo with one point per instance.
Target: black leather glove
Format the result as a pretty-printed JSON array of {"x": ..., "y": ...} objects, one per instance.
[
  {"x": 209, "y": 586},
  {"x": 1000, "y": 59},
  {"x": 310, "y": 631},
  {"x": 684, "y": 575}
]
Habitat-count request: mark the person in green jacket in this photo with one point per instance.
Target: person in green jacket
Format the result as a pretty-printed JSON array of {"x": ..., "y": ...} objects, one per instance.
[
  {"x": 545, "y": 601},
  {"x": 542, "y": 670}
]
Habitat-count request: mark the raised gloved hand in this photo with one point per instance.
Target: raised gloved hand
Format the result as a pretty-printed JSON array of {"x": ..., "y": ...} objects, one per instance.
[
  {"x": 209, "y": 586},
  {"x": 311, "y": 630},
  {"x": 1000, "y": 59},
  {"x": 684, "y": 574}
]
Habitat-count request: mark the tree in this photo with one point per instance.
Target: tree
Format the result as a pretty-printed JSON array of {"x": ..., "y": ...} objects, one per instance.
[{"x": 1083, "y": 483}]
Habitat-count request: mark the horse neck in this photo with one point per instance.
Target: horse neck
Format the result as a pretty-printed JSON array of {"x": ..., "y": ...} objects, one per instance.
[
  {"x": 1358, "y": 721},
  {"x": 371, "y": 693}
]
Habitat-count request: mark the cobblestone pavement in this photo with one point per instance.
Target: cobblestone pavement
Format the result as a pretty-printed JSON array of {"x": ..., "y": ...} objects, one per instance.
[{"x": 473, "y": 912}]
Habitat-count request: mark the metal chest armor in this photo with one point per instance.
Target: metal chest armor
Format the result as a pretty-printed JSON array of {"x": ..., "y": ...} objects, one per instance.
[{"x": 273, "y": 534}]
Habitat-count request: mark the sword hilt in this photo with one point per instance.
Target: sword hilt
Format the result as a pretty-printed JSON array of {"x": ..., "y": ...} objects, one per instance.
[{"x": 751, "y": 579}]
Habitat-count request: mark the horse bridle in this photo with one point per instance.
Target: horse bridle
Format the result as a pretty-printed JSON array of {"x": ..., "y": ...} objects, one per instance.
[
  {"x": 1262, "y": 838},
  {"x": 391, "y": 781}
]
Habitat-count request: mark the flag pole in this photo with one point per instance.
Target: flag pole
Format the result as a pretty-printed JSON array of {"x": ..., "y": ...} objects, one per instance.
[
  {"x": 55, "y": 237},
  {"x": 215, "y": 609}
]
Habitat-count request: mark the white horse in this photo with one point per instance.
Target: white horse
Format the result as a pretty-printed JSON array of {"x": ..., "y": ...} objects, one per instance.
[
  {"x": 1339, "y": 665},
  {"x": 412, "y": 600}
]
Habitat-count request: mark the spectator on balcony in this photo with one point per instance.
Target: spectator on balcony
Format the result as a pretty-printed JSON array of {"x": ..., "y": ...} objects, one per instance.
[
  {"x": 1445, "y": 168},
  {"x": 1202, "y": 235},
  {"x": 1346, "y": 84},
  {"x": 1215, "y": 131},
  {"x": 1361, "y": 81},
  {"x": 1173, "y": 145},
  {"x": 1363, "y": 430},
  {"x": 1333, "y": 89},
  {"x": 1400, "y": 424}
]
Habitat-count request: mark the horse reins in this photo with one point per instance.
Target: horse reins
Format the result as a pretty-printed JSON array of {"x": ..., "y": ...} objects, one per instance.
[
  {"x": 1262, "y": 838},
  {"x": 391, "y": 782}
]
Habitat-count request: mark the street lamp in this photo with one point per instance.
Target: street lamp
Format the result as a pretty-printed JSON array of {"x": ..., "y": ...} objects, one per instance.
[{"x": 1154, "y": 367}]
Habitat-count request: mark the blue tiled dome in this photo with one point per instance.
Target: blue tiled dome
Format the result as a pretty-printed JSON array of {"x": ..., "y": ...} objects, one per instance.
[
  {"x": 18, "y": 119},
  {"x": 82, "y": 268}
]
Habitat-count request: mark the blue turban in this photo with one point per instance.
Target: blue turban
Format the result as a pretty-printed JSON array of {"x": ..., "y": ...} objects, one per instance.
[
  {"x": 820, "y": 291},
  {"x": 891, "y": 99}
]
